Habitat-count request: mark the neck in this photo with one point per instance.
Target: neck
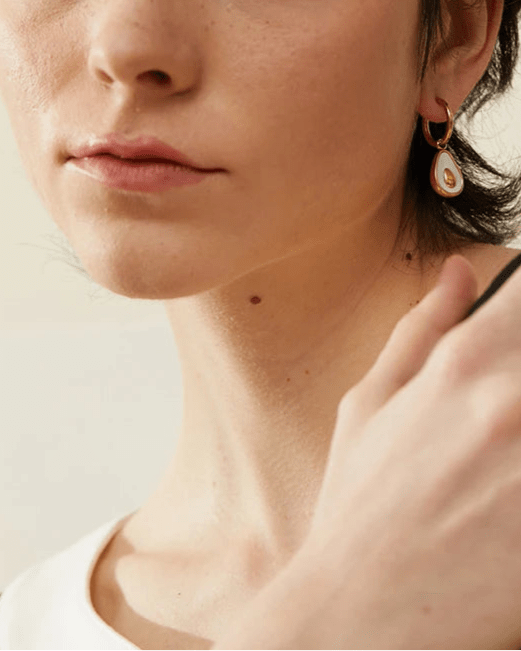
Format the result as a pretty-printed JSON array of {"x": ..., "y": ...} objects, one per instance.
[{"x": 262, "y": 382}]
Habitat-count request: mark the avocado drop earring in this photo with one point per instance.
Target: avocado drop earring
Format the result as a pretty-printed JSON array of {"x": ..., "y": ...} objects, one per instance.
[{"x": 446, "y": 176}]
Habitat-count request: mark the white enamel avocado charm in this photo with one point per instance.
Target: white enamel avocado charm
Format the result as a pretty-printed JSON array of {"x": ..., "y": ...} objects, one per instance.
[{"x": 446, "y": 175}]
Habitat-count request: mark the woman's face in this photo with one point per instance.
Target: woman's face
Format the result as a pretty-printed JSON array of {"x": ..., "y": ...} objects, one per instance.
[{"x": 308, "y": 105}]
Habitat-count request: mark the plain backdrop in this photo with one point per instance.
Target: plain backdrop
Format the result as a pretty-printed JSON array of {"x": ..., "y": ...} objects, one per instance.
[{"x": 90, "y": 384}]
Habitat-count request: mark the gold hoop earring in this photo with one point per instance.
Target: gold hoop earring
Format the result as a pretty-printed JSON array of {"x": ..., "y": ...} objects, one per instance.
[{"x": 446, "y": 177}]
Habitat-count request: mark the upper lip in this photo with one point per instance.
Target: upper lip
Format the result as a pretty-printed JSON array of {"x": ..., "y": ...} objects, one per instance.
[{"x": 144, "y": 147}]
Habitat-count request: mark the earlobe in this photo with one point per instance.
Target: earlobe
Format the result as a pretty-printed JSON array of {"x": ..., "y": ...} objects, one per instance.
[{"x": 428, "y": 107}]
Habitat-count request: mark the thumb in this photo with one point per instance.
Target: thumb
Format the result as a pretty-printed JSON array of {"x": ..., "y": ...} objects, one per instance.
[{"x": 413, "y": 340}]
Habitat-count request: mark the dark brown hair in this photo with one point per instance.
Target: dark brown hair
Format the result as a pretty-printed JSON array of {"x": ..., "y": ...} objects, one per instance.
[{"x": 489, "y": 208}]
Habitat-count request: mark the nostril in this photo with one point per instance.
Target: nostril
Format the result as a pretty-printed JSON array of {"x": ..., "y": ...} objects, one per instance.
[{"x": 162, "y": 77}]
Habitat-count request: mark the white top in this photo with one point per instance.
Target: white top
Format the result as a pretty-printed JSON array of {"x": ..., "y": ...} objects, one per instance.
[{"x": 48, "y": 606}]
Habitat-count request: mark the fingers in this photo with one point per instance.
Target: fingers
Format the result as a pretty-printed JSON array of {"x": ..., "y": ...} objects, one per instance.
[{"x": 413, "y": 339}]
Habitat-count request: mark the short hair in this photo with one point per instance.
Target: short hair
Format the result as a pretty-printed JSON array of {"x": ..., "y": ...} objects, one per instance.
[{"x": 489, "y": 208}]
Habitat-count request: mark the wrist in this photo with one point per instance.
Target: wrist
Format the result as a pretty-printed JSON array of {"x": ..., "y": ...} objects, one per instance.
[{"x": 303, "y": 608}]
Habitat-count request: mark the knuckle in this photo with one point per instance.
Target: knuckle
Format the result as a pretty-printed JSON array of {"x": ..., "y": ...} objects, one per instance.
[
  {"x": 496, "y": 405},
  {"x": 494, "y": 422},
  {"x": 458, "y": 357}
]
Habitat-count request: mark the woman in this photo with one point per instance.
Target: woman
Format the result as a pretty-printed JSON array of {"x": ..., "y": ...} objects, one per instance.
[{"x": 284, "y": 271}]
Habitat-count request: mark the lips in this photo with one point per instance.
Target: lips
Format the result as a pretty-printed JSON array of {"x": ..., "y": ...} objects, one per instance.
[
  {"x": 141, "y": 160},
  {"x": 144, "y": 148},
  {"x": 136, "y": 175}
]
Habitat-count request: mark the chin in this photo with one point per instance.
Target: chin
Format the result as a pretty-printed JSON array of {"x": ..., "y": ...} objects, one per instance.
[{"x": 150, "y": 279}]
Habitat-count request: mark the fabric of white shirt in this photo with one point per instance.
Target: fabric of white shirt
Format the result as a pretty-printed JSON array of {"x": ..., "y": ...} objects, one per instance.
[{"x": 48, "y": 606}]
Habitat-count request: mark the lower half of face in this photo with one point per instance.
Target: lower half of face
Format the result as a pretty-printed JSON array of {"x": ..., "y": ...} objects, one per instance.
[{"x": 307, "y": 108}]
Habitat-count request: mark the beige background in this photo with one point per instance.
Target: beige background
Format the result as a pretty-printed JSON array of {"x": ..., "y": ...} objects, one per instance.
[{"x": 90, "y": 388}]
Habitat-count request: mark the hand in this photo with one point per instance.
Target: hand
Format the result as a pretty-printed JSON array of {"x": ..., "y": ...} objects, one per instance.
[
  {"x": 416, "y": 538},
  {"x": 422, "y": 493}
]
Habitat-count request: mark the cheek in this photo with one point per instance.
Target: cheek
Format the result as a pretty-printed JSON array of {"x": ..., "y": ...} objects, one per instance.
[
  {"x": 27, "y": 63},
  {"x": 31, "y": 76},
  {"x": 356, "y": 87},
  {"x": 333, "y": 103}
]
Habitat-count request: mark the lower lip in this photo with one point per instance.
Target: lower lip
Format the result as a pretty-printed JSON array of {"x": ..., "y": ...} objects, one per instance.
[{"x": 137, "y": 175}]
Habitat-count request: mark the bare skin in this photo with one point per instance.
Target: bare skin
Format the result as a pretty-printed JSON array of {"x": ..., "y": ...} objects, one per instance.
[
  {"x": 305, "y": 218},
  {"x": 224, "y": 580}
]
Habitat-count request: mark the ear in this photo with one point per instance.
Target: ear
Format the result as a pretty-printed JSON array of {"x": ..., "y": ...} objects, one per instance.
[{"x": 459, "y": 60}]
